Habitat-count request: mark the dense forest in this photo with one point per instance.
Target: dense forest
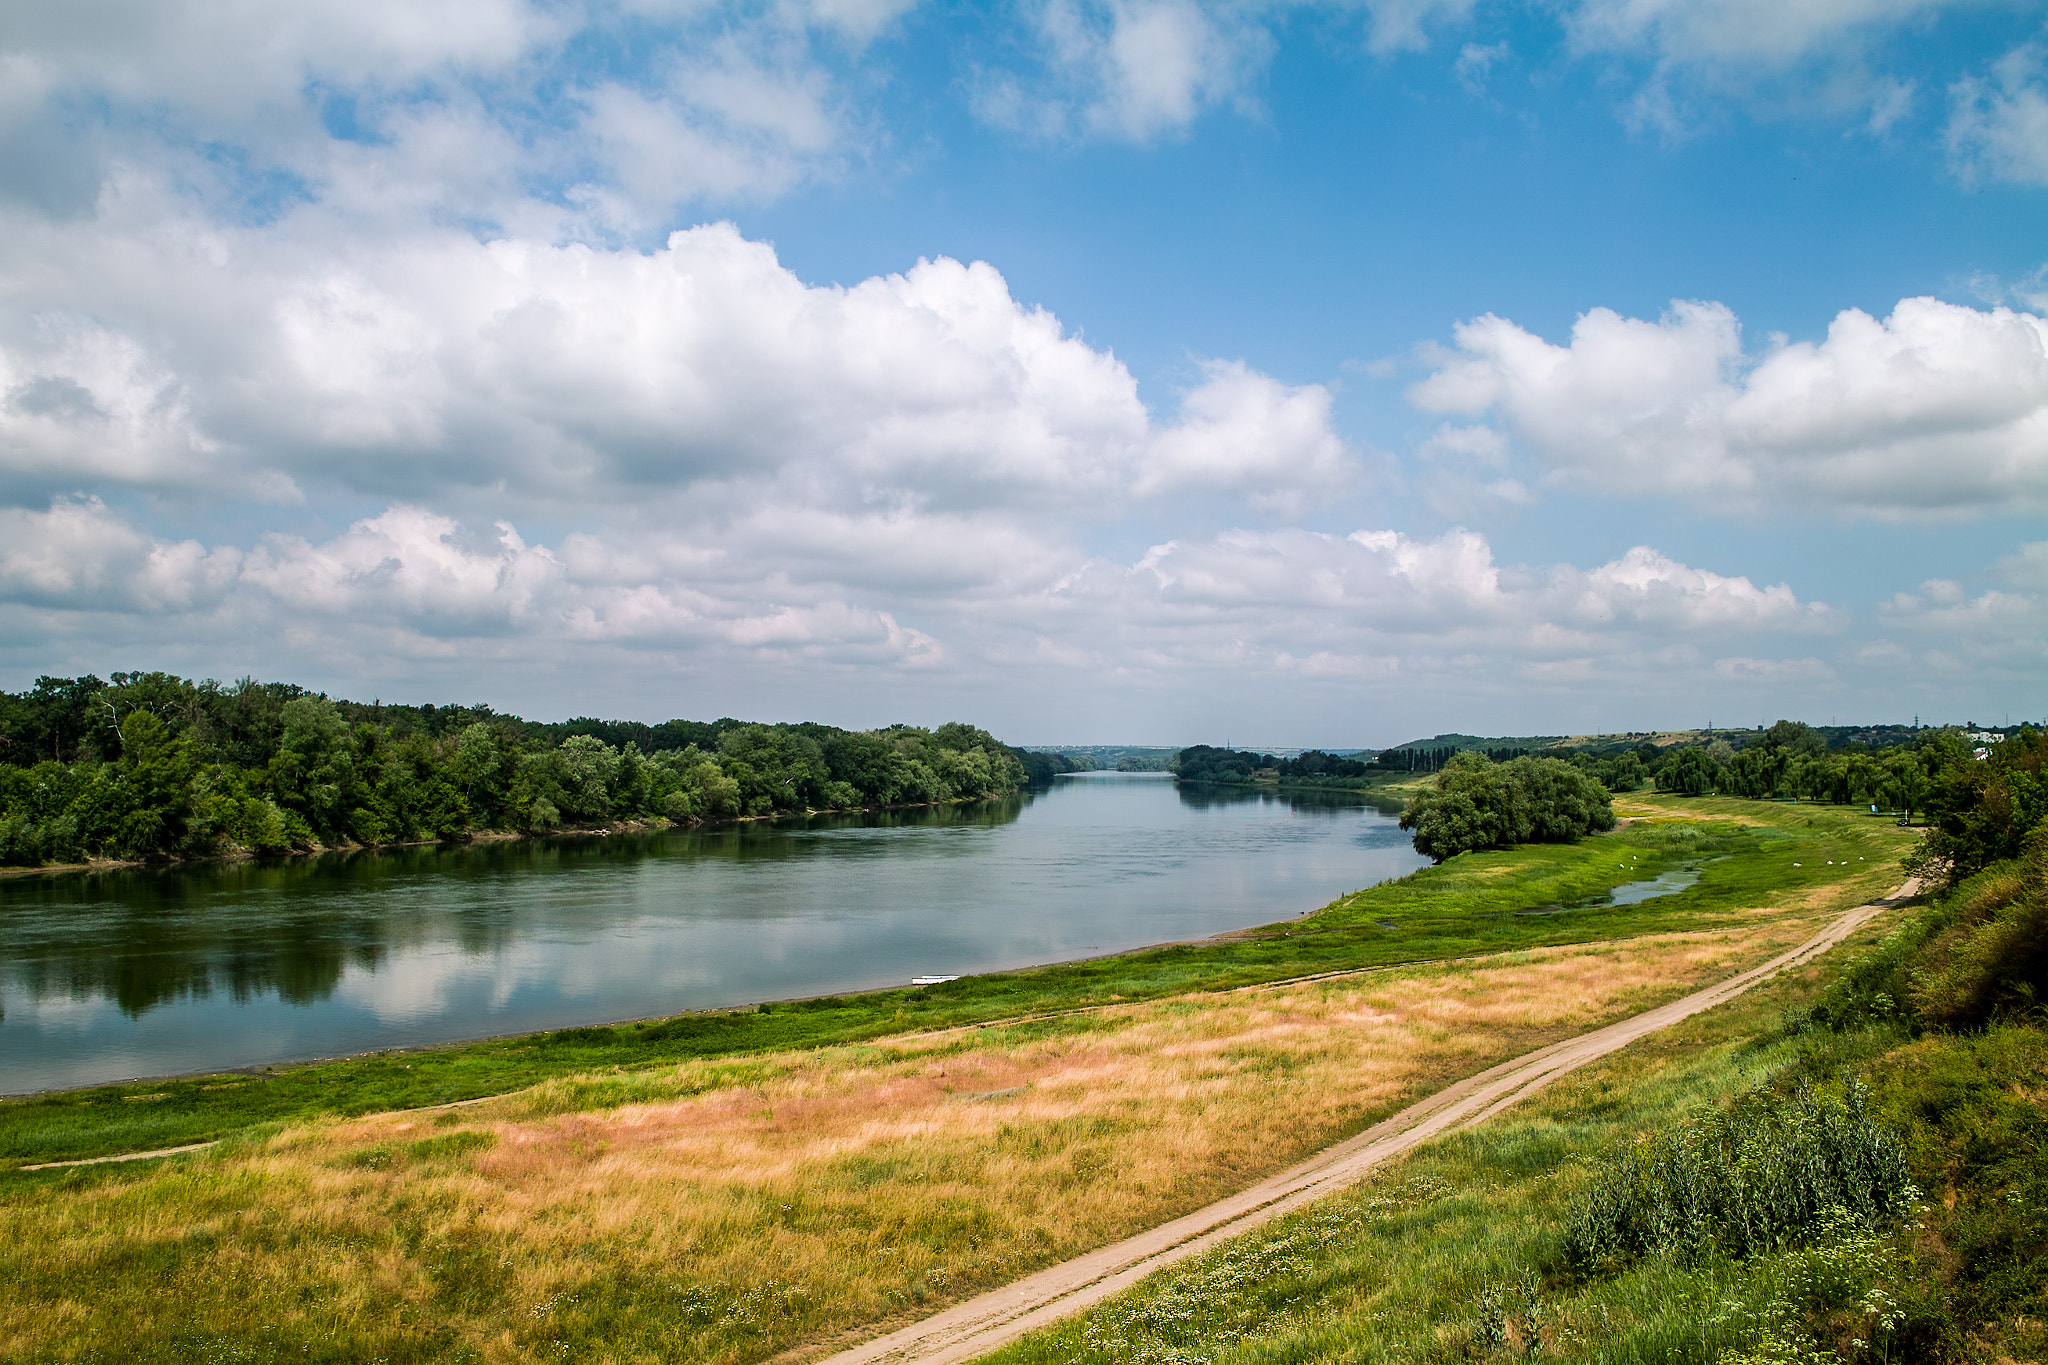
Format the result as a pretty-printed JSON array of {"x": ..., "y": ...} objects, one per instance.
[{"x": 151, "y": 765}]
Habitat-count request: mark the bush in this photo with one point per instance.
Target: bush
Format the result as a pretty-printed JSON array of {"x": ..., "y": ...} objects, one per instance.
[
  {"x": 1755, "y": 1178},
  {"x": 1478, "y": 803}
]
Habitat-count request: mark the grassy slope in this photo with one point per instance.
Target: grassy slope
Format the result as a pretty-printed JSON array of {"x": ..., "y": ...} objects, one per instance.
[
  {"x": 1466, "y": 906},
  {"x": 1452, "y": 1253}
]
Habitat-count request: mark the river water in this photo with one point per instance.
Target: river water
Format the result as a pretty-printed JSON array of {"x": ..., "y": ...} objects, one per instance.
[{"x": 110, "y": 976}]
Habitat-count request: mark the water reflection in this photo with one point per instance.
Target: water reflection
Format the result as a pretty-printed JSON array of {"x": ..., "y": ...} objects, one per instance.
[
  {"x": 109, "y": 975},
  {"x": 1202, "y": 796},
  {"x": 145, "y": 938}
]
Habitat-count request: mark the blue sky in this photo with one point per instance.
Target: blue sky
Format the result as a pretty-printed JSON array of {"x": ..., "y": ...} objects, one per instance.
[{"x": 1318, "y": 373}]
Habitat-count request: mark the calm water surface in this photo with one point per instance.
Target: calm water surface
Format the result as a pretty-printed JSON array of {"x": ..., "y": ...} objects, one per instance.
[{"x": 111, "y": 976}]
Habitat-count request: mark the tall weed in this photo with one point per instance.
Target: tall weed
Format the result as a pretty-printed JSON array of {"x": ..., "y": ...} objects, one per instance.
[
  {"x": 1994, "y": 963},
  {"x": 1755, "y": 1178}
]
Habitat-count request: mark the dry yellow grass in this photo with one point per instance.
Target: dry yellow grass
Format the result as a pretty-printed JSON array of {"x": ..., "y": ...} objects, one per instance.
[{"x": 731, "y": 1211}]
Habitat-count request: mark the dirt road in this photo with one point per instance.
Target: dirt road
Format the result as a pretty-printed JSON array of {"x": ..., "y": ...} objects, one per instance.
[{"x": 981, "y": 1324}]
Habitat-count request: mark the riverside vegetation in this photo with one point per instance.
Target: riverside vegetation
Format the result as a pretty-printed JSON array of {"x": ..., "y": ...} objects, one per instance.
[
  {"x": 148, "y": 765},
  {"x": 723, "y": 1187},
  {"x": 1898, "y": 767}
]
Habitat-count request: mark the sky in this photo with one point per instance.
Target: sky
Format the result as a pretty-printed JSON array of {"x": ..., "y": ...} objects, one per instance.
[{"x": 1309, "y": 372}]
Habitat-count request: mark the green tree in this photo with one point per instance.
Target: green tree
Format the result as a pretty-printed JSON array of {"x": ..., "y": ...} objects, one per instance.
[
  {"x": 313, "y": 773},
  {"x": 1982, "y": 810},
  {"x": 1476, "y": 803},
  {"x": 155, "y": 774}
]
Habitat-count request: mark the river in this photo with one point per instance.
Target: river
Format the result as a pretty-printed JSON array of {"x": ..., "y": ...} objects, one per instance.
[{"x": 115, "y": 975}]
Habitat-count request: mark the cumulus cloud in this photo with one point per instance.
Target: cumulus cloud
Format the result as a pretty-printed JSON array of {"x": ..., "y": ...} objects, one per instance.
[
  {"x": 1936, "y": 408},
  {"x": 1452, "y": 580},
  {"x": 416, "y": 583},
  {"x": 1377, "y": 603},
  {"x": 80, "y": 402},
  {"x": 575, "y": 372},
  {"x": 78, "y": 556}
]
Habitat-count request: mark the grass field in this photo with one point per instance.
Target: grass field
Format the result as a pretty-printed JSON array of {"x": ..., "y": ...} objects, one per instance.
[{"x": 1471, "y": 905}]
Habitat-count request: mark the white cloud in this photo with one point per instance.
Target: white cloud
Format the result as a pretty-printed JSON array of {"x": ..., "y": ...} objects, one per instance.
[
  {"x": 1159, "y": 61},
  {"x": 1251, "y": 434},
  {"x": 81, "y": 403},
  {"x": 409, "y": 564},
  {"x": 1649, "y": 587},
  {"x": 413, "y": 583},
  {"x": 78, "y": 556},
  {"x": 1127, "y": 70},
  {"x": 1998, "y": 129},
  {"x": 1376, "y": 601},
  {"x": 1937, "y": 408},
  {"x": 1475, "y": 63},
  {"x": 1717, "y": 31},
  {"x": 477, "y": 111},
  {"x": 573, "y": 372}
]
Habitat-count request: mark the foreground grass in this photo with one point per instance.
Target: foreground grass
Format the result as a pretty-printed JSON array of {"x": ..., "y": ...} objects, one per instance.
[
  {"x": 1453, "y": 1254},
  {"x": 727, "y": 1210},
  {"x": 1475, "y": 904}
]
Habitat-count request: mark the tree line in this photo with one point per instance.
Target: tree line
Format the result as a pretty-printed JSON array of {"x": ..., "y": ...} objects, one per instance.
[
  {"x": 1239, "y": 767},
  {"x": 1792, "y": 760},
  {"x": 148, "y": 765}
]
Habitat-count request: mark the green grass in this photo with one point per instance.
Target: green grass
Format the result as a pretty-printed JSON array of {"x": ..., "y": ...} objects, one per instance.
[{"x": 1466, "y": 906}]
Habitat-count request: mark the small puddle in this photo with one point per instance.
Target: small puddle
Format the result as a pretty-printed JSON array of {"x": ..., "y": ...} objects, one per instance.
[{"x": 1628, "y": 893}]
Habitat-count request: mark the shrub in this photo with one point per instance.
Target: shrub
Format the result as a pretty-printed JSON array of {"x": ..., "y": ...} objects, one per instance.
[
  {"x": 1477, "y": 803},
  {"x": 1752, "y": 1179}
]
